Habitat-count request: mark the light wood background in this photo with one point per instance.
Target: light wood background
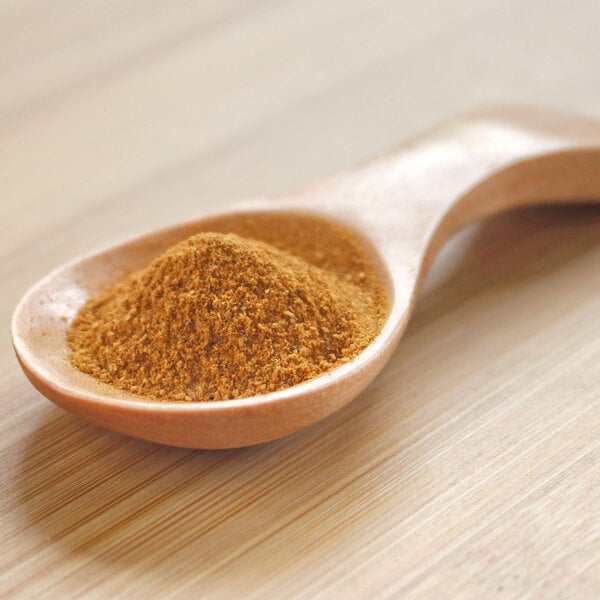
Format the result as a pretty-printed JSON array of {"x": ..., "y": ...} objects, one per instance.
[{"x": 469, "y": 469}]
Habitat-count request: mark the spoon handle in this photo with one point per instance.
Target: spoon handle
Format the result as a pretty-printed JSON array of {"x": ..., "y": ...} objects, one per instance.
[
  {"x": 515, "y": 158},
  {"x": 469, "y": 168}
]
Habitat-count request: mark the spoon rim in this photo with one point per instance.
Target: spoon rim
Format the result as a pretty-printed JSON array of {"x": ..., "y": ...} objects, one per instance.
[{"x": 389, "y": 331}]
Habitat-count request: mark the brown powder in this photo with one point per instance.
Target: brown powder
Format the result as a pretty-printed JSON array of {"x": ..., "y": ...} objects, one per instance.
[{"x": 219, "y": 316}]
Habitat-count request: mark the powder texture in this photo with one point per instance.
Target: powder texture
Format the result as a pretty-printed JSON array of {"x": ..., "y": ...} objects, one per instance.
[{"x": 219, "y": 316}]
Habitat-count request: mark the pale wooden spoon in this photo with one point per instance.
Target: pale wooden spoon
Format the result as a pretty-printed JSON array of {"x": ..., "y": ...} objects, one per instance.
[{"x": 405, "y": 205}]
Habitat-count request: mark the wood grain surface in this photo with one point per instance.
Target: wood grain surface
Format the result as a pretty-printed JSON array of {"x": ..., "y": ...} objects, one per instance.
[{"x": 469, "y": 469}]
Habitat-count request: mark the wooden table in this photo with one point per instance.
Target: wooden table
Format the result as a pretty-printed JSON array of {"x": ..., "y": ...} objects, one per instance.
[{"x": 469, "y": 469}]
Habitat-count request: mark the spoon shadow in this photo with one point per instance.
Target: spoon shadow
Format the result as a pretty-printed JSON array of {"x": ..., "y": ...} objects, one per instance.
[
  {"x": 516, "y": 246},
  {"x": 96, "y": 495}
]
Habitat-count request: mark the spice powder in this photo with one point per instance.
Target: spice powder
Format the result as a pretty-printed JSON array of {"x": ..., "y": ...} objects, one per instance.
[{"x": 220, "y": 316}]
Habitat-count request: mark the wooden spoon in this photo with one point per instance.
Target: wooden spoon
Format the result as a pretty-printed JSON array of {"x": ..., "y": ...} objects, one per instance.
[{"x": 405, "y": 205}]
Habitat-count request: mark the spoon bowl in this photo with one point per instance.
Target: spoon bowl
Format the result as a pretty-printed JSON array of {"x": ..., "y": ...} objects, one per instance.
[
  {"x": 42, "y": 318},
  {"x": 401, "y": 208}
]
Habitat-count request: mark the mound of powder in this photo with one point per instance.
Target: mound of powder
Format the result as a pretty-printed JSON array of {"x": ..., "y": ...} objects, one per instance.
[{"x": 219, "y": 316}]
